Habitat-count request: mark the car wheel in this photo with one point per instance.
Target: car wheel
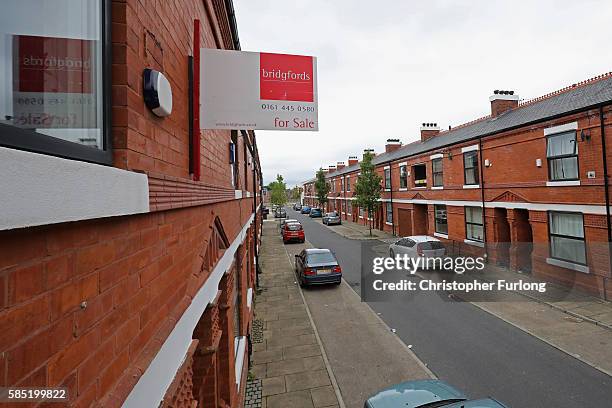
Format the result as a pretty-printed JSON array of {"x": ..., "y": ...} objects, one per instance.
[
  {"x": 337, "y": 283},
  {"x": 391, "y": 253}
]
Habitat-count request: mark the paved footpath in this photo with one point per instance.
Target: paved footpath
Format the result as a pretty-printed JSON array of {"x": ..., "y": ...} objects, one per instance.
[{"x": 332, "y": 351}]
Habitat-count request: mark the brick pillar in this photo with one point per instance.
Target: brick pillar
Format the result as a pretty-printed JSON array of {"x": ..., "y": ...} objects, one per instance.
[
  {"x": 205, "y": 360},
  {"x": 520, "y": 238},
  {"x": 180, "y": 392},
  {"x": 226, "y": 371}
]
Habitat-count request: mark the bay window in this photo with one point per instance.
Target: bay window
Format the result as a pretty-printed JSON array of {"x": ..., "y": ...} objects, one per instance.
[
  {"x": 55, "y": 93},
  {"x": 566, "y": 234}
]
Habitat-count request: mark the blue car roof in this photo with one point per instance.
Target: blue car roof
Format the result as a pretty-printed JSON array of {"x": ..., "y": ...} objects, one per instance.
[
  {"x": 414, "y": 393},
  {"x": 481, "y": 403}
]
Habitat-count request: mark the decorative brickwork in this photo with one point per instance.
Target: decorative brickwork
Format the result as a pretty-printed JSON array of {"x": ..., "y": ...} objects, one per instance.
[{"x": 180, "y": 392}]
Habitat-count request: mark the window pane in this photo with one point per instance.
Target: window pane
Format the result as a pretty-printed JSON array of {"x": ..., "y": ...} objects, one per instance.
[
  {"x": 471, "y": 176},
  {"x": 570, "y": 224},
  {"x": 473, "y": 214},
  {"x": 564, "y": 169},
  {"x": 470, "y": 159},
  {"x": 567, "y": 249},
  {"x": 389, "y": 212},
  {"x": 436, "y": 164},
  {"x": 437, "y": 179},
  {"x": 51, "y": 68},
  {"x": 474, "y": 232},
  {"x": 561, "y": 144}
]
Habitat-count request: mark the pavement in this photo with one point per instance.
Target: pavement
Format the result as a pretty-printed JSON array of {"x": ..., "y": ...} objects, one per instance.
[
  {"x": 520, "y": 351},
  {"x": 322, "y": 347}
]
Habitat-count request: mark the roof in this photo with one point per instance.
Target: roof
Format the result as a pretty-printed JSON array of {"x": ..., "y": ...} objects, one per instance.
[
  {"x": 316, "y": 251},
  {"x": 577, "y": 97}
]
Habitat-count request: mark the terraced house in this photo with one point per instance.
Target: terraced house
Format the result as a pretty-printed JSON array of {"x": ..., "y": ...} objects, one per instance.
[
  {"x": 527, "y": 185},
  {"x": 128, "y": 237}
]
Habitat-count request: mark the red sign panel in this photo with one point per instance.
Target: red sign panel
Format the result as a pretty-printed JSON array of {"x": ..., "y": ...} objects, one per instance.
[
  {"x": 286, "y": 77},
  {"x": 52, "y": 65}
]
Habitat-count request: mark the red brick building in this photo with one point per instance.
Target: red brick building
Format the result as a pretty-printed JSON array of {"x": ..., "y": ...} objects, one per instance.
[
  {"x": 527, "y": 185},
  {"x": 128, "y": 241}
]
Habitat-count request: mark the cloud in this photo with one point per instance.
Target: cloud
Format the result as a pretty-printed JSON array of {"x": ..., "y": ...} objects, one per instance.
[{"x": 385, "y": 67}]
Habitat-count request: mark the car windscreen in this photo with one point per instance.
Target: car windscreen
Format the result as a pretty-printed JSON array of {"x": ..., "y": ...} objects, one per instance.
[
  {"x": 294, "y": 227},
  {"x": 320, "y": 258},
  {"x": 429, "y": 245}
]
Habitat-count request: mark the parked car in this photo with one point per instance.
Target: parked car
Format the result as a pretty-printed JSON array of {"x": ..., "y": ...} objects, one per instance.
[
  {"x": 293, "y": 231},
  {"x": 426, "y": 393},
  {"x": 265, "y": 210},
  {"x": 280, "y": 213},
  {"x": 316, "y": 213},
  {"x": 297, "y": 206},
  {"x": 332, "y": 218},
  {"x": 418, "y": 246},
  {"x": 286, "y": 221},
  {"x": 305, "y": 209},
  {"x": 317, "y": 266}
]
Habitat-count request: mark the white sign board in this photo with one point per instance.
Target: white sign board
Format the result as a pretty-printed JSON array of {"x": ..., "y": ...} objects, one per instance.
[{"x": 252, "y": 90}]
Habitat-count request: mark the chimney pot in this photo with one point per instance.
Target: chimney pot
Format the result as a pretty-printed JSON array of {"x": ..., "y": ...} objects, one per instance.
[
  {"x": 392, "y": 144},
  {"x": 502, "y": 101},
  {"x": 429, "y": 130}
]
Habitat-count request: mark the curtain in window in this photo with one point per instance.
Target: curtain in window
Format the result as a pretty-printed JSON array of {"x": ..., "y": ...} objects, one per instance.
[
  {"x": 567, "y": 237},
  {"x": 562, "y": 144},
  {"x": 473, "y": 223},
  {"x": 441, "y": 222}
]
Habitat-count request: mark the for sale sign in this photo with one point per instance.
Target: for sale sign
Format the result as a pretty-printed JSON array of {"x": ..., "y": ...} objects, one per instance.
[
  {"x": 252, "y": 90},
  {"x": 53, "y": 82}
]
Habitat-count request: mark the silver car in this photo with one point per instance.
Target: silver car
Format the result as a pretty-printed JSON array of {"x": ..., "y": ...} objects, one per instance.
[
  {"x": 428, "y": 249},
  {"x": 332, "y": 218}
]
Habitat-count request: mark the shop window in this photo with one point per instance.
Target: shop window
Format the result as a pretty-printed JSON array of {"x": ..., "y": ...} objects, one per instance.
[
  {"x": 566, "y": 234},
  {"x": 54, "y": 63}
]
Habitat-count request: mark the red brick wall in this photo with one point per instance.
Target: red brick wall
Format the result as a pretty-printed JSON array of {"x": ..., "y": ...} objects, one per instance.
[{"x": 88, "y": 304}]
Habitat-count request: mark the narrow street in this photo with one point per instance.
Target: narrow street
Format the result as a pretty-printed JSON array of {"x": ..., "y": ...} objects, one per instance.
[{"x": 465, "y": 345}]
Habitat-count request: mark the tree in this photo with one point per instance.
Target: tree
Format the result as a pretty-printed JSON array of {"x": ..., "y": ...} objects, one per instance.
[
  {"x": 321, "y": 188},
  {"x": 296, "y": 193},
  {"x": 368, "y": 187},
  {"x": 278, "y": 191}
]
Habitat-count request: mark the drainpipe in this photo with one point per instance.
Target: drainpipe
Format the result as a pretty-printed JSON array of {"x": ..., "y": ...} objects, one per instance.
[
  {"x": 391, "y": 201},
  {"x": 255, "y": 224},
  {"x": 482, "y": 200},
  {"x": 606, "y": 184}
]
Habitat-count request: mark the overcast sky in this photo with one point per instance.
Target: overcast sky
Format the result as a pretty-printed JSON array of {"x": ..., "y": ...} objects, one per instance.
[{"x": 386, "y": 66}]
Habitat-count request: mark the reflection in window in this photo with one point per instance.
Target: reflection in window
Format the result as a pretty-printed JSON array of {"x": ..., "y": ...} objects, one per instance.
[{"x": 51, "y": 69}]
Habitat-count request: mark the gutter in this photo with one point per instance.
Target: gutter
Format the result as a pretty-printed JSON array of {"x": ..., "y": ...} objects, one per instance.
[{"x": 231, "y": 17}]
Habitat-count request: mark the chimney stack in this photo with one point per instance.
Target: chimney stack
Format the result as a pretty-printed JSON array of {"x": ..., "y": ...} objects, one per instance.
[
  {"x": 429, "y": 130},
  {"x": 392, "y": 144},
  {"x": 353, "y": 160},
  {"x": 371, "y": 151},
  {"x": 332, "y": 169},
  {"x": 340, "y": 165},
  {"x": 502, "y": 101}
]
